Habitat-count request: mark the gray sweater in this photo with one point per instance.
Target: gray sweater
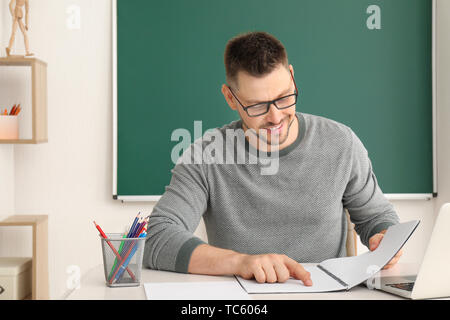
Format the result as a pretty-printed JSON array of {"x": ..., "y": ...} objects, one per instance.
[{"x": 298, "y": 211}]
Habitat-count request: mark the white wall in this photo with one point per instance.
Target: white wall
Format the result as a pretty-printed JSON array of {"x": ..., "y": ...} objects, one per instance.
[
  {"x": 6, "y": 180},
  {"x": 6, "y": 160},
  {"x": 2, "y": 20},
  {"x": 6, "y": 151},
  {"x": 443, "y": 100},
  {"x": 70, "y": 177}
]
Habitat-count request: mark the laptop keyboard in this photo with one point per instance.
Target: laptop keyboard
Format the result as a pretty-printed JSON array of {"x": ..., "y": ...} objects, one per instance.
[{"x": 407, "y": 286}]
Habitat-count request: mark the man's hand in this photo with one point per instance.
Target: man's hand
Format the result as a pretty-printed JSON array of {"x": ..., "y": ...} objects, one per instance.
[
  {"x": 210, "y": 260},
  {"x": 374, "y": 242},
  {"x": 271, "y": 268}
]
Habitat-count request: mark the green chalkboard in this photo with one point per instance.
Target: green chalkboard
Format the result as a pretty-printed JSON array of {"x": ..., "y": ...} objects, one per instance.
[{"x": 368, "y": 69}]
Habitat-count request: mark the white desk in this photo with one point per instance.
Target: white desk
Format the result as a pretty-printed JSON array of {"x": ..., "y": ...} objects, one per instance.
[{"x": 93, "y": 286}]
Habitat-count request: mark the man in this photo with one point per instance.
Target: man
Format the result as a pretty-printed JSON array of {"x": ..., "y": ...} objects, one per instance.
[
  {"x": 15, "y": 8},
  {"x": 265, "y": 226}
]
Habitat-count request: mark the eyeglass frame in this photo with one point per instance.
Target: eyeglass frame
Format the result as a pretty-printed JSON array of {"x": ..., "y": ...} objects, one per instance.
[{"x": 269, "y": 103}]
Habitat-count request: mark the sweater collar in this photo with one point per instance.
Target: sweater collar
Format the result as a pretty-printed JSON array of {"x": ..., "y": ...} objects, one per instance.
[{"x": 301, "y": 133}]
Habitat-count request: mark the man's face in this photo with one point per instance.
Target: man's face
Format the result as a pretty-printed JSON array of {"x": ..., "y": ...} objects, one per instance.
[{"x": 272, "y": 127}]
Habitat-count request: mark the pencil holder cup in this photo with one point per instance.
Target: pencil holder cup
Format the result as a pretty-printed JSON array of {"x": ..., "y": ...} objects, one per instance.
[
  {"x": 9, "y": 128},
  {"x": 122, "y": 260}
]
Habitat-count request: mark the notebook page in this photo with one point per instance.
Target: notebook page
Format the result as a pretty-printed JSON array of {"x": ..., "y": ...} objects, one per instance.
[{"x": 355, "y": 270}]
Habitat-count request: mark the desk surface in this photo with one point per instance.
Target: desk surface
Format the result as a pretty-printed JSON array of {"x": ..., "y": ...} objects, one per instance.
[{"x": 93, "y": 287}]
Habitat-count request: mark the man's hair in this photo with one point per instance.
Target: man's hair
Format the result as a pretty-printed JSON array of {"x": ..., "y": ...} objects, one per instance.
[{"x": 257, "y": 53}]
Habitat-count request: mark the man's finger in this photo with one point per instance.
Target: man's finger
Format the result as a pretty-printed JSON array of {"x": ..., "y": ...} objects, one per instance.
[
  {"x": 282, "y": 272},
  {"x": 374, "y": 241},
  {"x": 392, "y": 263},
  {"x": 271, "y": 275},
  {"x": 394, "y": 260},
  {"x": 388, "y": 266},
  {"x": 298, "y": 272},
  {"x": 259, "y": 274}
]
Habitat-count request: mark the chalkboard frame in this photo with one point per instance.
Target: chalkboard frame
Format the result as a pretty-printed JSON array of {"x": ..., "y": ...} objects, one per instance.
[{"x": 155, "y": 198}]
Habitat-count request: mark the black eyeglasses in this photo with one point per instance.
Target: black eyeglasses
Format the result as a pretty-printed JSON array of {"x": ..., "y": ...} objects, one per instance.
[{"x": 258, "y": 109}]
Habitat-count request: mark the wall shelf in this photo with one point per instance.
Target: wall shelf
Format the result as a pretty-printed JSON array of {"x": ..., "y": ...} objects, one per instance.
[
  {"x": 38, "y": 132},
  {"x": 39, "y": 224}
]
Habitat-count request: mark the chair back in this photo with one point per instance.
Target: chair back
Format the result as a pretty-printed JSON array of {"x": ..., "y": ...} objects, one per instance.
[{"x": 352, "y": 237}]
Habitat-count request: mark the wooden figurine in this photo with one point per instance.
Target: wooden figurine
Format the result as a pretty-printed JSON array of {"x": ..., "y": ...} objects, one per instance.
[{"x": 15, "y": 7}]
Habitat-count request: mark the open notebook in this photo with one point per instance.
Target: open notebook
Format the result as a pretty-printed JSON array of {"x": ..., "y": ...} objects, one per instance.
[{"x": 342, "y": 273}]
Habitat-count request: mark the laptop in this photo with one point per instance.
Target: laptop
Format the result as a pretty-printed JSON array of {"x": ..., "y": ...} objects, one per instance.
[{"x": 433, "y": 278}]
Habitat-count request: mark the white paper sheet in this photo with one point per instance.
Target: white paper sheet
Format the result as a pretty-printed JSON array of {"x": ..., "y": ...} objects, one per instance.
[
  {"x": 321, "y": 283},
  {"x": 216, "y": 290}
]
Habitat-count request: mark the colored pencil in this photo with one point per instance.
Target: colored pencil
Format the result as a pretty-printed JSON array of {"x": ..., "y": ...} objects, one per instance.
[
  {"x": 103, "y": 235},
  {"x": 128, "y": 248},
  {"x": 115, "y": 260},
  {"x": 11, "y": 113},
  {"x": 127, "y": 260},
  {"x": 133, "y": 225},
  {"x": 127, "y": 235}
]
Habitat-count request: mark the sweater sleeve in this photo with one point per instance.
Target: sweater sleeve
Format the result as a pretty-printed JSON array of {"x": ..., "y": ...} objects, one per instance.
[
  {"x": 170, "y": 240},
  {"x": 369, "y": 209}
]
